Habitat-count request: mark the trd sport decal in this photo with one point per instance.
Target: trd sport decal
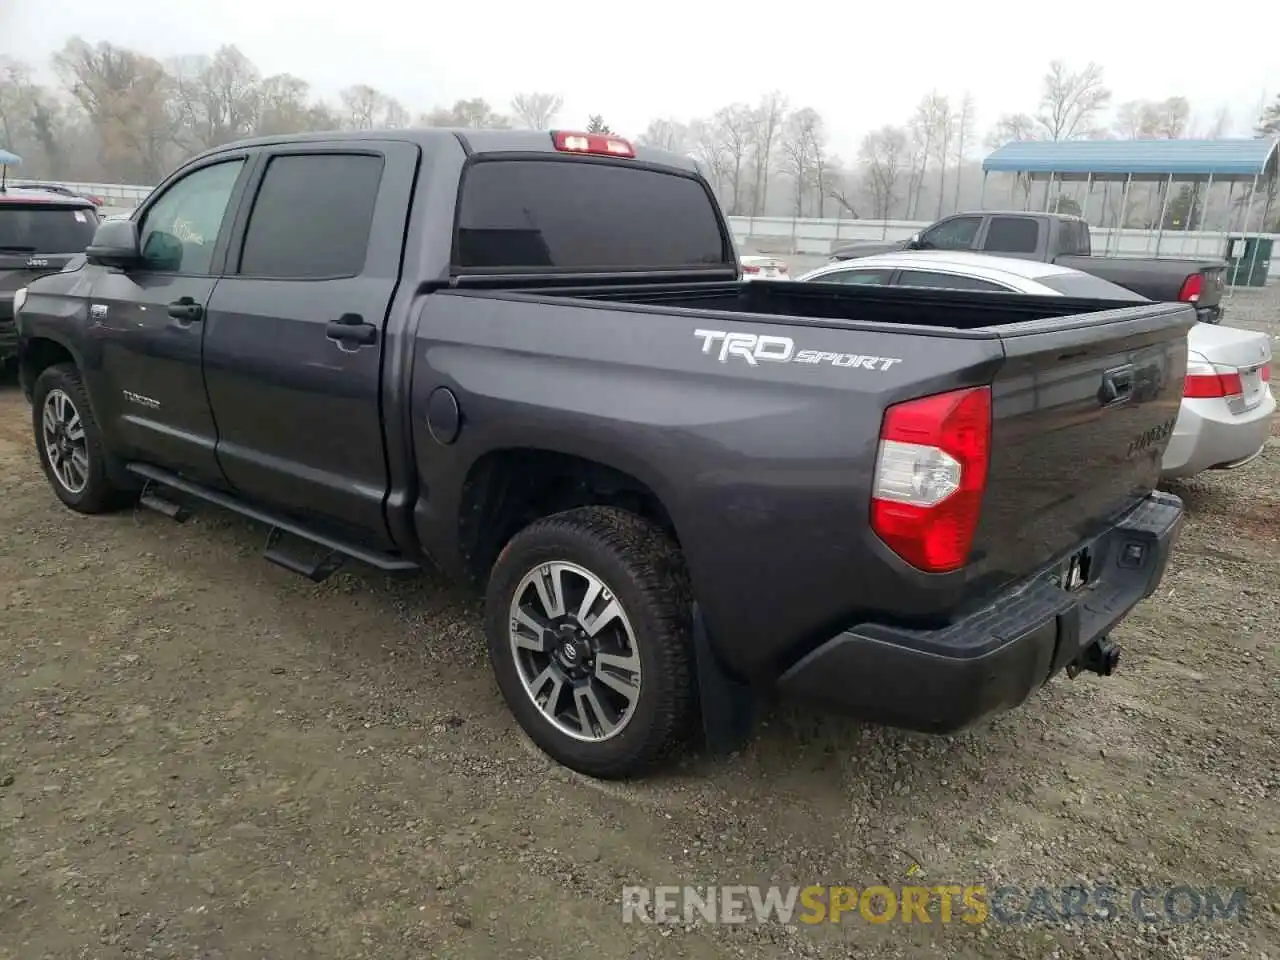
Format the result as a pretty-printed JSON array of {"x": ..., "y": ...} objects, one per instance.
[{"x": 755, "y": 349}]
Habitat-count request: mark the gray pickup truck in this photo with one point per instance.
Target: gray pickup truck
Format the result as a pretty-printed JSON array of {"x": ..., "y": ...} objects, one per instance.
[
  {"x": 530, "y": 360},
  {"x": 1065, "y": 240}
]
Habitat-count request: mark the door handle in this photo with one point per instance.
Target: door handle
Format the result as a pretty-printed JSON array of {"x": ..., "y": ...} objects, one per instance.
[
  {"x": 1117, "y": 385},
  {"x": 351, "y": 328},
  {"x": 185, "y": 310}
]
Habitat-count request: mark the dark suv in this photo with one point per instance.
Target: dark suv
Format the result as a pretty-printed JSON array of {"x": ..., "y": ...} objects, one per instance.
[{"x": 39, "y": 232}]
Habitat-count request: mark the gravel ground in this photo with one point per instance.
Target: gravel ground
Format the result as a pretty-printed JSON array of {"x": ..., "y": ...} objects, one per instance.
[{"x": 203, "y": 756}]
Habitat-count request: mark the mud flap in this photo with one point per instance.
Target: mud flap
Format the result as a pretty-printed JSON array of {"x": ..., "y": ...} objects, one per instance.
[{"x": 728, "y": 708}]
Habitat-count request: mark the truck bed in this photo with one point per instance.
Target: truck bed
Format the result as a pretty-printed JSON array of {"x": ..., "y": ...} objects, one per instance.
[
  {"x": 753, "y": 410},
  {"x": 980, "y": 314}
]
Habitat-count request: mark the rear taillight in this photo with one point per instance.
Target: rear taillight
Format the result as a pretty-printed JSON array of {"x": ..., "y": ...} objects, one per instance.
[
  {"x": 1192, "y": 287},
  {"x": 1207, "y": 382},
  {"x": 598, "y": 143},
  {"x": 750, "y": 269},
  {"x": 931, "y": 473},
  {"x": 1264, "y": 373}
]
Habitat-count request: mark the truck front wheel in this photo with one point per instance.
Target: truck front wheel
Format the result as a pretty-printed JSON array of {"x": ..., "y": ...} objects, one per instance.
[
  {"x": 69, "y": 442},
  {"x": 588, "y": 623}
]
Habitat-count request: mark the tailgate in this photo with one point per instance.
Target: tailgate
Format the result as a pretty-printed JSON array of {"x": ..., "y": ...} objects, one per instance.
[{"x": 1082, "y": 411}]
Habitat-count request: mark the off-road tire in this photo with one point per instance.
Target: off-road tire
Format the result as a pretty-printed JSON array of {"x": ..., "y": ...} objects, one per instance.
[
  {"x": 646, "y": 572},
  {"x": 100, "y": 493}
]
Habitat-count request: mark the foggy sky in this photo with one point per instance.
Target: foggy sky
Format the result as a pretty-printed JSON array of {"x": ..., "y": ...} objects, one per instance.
[{"x": 858, "y": 64}]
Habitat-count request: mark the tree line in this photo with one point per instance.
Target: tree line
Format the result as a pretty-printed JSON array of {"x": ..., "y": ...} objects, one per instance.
[{"x": 117, "y": 115}]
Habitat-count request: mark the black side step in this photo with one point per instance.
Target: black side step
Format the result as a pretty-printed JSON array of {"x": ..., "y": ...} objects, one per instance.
[
  {"x": 316, "y": 571},
  {"x": 153, "y": 500},
  {"x": 338, "y": 551}
]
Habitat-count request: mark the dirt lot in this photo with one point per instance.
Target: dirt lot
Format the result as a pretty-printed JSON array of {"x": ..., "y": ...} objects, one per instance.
[{"x": 203, "y": 756}]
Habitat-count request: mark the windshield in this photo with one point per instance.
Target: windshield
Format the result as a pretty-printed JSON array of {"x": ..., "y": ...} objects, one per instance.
[
  {"x": 1089, "y": 286},
  {"x": 42, "y": 228}
]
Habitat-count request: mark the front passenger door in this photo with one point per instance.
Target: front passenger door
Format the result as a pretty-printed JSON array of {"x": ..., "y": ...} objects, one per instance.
[{"x": 148, "y": 323}]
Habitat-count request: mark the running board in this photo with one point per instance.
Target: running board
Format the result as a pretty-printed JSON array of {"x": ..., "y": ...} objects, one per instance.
[{"x": 317, "y": 571}]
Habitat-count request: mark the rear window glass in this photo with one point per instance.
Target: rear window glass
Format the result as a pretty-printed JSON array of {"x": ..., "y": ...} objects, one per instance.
[
  {"x": 1088, "y": 286},
  {"x": 45, "y": 229},
  {"x": 577, "y": 214},
  {"x": 1074, "y": 238}
]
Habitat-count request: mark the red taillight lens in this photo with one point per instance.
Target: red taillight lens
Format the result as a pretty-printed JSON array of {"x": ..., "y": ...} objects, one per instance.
[
  {"x": 750, "y": 269},
  {"x": 1264, "y": 372},
  {"x": 597, "y": 143},
  {"x": 1192, "y": 287},
  {"x": 931, "y": 473},
  {"x": 1206, "y": 382},
  {"x": 1208, "y": 386}
]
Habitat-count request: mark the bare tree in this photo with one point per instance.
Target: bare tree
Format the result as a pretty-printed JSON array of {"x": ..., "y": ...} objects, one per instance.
[
  {"x": 884, "y": 156},
  {"x": 473, "y": 114},
  {"x": 924, "y": 127},
  {"x": 536, "y": 111},
  {"x": 1011, "y": 127},
  {"x": 130, "y": 101},
  {"x": 841, "y": 187},
  {"x": 940, "y": 115},
  {"x": 15, "y": 101},
  {"x": 666, "y": 134},
  {"x": 1172, "y": 117},
  {"x": 964, "y": 135},
  {"x": 1071, "y": 101},
  {"x": 733, "y": 125},
  {"x": 285, "y": 107},
  {"x": 803, "y": 144},
  {"x": 1221, "y": 124},
  {"x": 596, "y": 124},
  {"x": 766, "y": 126},
  {"x": 219, "y": 96},
  {"x": 366, "y": 108},
  {"x": 1153, "y": 119},
  {"x": 709, "y": 151}
]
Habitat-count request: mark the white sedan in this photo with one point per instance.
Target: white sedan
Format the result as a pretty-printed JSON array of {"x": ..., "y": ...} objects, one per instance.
[
  {"x": 1227, "y": 405},
  {"x": 763, "y": 268}
]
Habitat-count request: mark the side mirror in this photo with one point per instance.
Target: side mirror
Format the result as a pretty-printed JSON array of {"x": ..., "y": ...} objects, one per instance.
[
  {"x": 913, "y": 242},
  {"x": 115, "y": 244}
]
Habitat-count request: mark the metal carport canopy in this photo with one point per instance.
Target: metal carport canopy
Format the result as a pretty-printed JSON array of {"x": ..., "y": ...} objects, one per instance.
[{"x": 1098, "y": 160}]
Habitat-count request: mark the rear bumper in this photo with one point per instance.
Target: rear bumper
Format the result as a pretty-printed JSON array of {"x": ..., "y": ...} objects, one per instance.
[
  {"x": 1208, "y": 436},
  {"x": 944, "y": 680}
]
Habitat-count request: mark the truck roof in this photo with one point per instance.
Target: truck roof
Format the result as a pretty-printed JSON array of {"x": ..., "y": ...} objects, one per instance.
[
  {"x": 1038, "y": 214},
  {"x": 473, "y": 141}
]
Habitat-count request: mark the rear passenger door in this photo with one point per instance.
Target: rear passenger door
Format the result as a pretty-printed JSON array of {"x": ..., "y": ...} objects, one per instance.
[{"x": 294, "y": 334}]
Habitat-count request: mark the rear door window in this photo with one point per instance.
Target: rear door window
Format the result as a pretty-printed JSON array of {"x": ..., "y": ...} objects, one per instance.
[
  {"x": 1012, "y": 235},
  {"x": 312, "y": 216},
  {"x": 45, "y": 228},
  {"x": 947, "y": 281},
  {"x": 574, "y": 214}
]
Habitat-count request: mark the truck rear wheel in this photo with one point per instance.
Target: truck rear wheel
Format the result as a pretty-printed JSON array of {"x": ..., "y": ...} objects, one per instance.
[
  {"x": 588, "y": 622},
  {"x": 69, "y": 442}
]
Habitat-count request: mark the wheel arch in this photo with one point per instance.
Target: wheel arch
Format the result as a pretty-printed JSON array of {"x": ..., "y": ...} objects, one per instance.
[{"x": 508, "y": 488}]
